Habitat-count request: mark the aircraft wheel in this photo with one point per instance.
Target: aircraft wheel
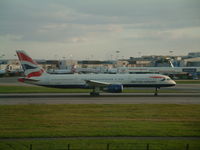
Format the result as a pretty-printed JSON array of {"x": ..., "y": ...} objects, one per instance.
[{"x": 156, "y": 92}]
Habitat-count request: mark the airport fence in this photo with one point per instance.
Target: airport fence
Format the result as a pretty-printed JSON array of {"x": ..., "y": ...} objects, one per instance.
[{"x": 109, "y": 146}]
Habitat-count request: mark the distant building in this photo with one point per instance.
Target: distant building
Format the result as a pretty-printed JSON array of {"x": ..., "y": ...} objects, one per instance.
[
  {"x": 143, "y": 61},
  {"x": 192, "y": 62},
  {"x": 48, "y": 64},
  {"x": 3, "y": 62},
  {"x": 95, "y": 63},
  {"x": 163, "y": 62},
  {"x": 67, "y": 64},
  {"x": 121, "y": 63},
  {"x": 194, "y": 54},
  {"x": 10, "y": 65}
]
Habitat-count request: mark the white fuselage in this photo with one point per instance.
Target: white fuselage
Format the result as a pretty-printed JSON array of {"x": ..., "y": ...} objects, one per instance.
[{"x": 127, "y": 80}]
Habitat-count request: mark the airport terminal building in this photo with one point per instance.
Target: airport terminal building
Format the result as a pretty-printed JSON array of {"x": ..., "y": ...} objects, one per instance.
[{"x": 182, "y": 66}]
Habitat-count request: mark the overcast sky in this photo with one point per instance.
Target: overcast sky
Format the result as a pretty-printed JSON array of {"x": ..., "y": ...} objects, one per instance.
[{"x": 96, "y": 29}]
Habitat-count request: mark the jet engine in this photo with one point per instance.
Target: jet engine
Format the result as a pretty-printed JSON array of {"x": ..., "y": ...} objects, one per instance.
[{"x": 114, "y": 88}]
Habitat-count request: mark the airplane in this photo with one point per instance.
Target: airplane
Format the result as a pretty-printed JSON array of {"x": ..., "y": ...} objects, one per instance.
[
  {"x": 60, "y": 71},
  {"x": 2, "y": 72},
  {"x": 112, "y": 83}
]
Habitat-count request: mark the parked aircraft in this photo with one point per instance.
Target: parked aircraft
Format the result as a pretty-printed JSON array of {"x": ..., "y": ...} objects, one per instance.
[
  {"x": 2, "y": 72},
  {"x": 60, "y": 71},
  {"x": 113, "y": 83}
]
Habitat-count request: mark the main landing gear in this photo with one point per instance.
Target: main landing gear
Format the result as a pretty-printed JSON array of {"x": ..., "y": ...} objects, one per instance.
[
  {"x": 95, "y": 92},
  {"x": 156, "y": 91}
]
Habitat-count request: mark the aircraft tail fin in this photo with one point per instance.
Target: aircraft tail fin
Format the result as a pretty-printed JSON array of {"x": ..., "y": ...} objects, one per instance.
[{"x": 30, "y": 67}]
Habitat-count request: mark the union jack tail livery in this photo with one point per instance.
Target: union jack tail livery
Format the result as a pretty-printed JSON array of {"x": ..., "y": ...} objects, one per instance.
[{"x": 30, "y": 67}]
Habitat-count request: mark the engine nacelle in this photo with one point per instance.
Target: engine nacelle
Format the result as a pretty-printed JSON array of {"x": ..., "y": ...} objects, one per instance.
[{"x": 114, "y": 88}]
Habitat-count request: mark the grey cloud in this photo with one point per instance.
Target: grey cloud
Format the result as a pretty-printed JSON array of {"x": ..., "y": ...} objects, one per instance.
[{"x": 82, "y": 20}]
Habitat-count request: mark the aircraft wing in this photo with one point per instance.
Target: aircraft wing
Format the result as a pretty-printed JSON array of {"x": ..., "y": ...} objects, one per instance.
[{"x": 97, "y": 83}]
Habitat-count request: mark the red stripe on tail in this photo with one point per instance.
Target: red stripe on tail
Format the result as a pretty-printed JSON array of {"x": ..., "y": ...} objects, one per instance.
[
  {"x": 24, "y": 57},
  {"x": 35, "y": 74}
]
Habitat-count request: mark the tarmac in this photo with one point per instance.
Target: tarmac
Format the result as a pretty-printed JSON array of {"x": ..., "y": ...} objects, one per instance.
[{"x": 105, "y": 98}]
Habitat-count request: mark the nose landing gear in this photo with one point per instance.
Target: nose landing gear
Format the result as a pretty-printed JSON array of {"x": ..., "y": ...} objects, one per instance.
[{"x": 156, "y": 91}]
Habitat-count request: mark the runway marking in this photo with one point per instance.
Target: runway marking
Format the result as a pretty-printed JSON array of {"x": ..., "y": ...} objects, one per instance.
[{"x": 86, "y": 95}]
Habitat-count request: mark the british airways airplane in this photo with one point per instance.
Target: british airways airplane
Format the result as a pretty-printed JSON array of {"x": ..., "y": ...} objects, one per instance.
[{"x": 112, "y": 83}]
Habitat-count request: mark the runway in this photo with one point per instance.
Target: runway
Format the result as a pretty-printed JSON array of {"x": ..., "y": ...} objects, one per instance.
[{"x": 104, "y": 98}]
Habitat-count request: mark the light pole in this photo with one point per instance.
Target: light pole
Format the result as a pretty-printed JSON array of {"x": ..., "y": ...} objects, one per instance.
[
  {"x": 56, "y": 57},
  {"x": 139, "y": 54},
  {"x": 171, "y": 53},
  {"x": 117, "y": 54},
  {"x": 2, "y": 55}
]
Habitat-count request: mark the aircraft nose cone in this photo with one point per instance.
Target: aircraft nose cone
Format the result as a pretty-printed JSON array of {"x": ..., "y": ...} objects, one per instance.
[{"x": 173, "y": 82}]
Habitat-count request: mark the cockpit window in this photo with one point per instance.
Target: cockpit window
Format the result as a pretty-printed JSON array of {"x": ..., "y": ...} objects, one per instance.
[{"x": 165, "y": 79}]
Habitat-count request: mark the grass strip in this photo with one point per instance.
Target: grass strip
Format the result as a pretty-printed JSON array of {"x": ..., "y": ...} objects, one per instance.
[
  {"x": 38, "y": 89},
  {"x": 99, "y": 120},
  {"x": 187, "y": 81}
]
